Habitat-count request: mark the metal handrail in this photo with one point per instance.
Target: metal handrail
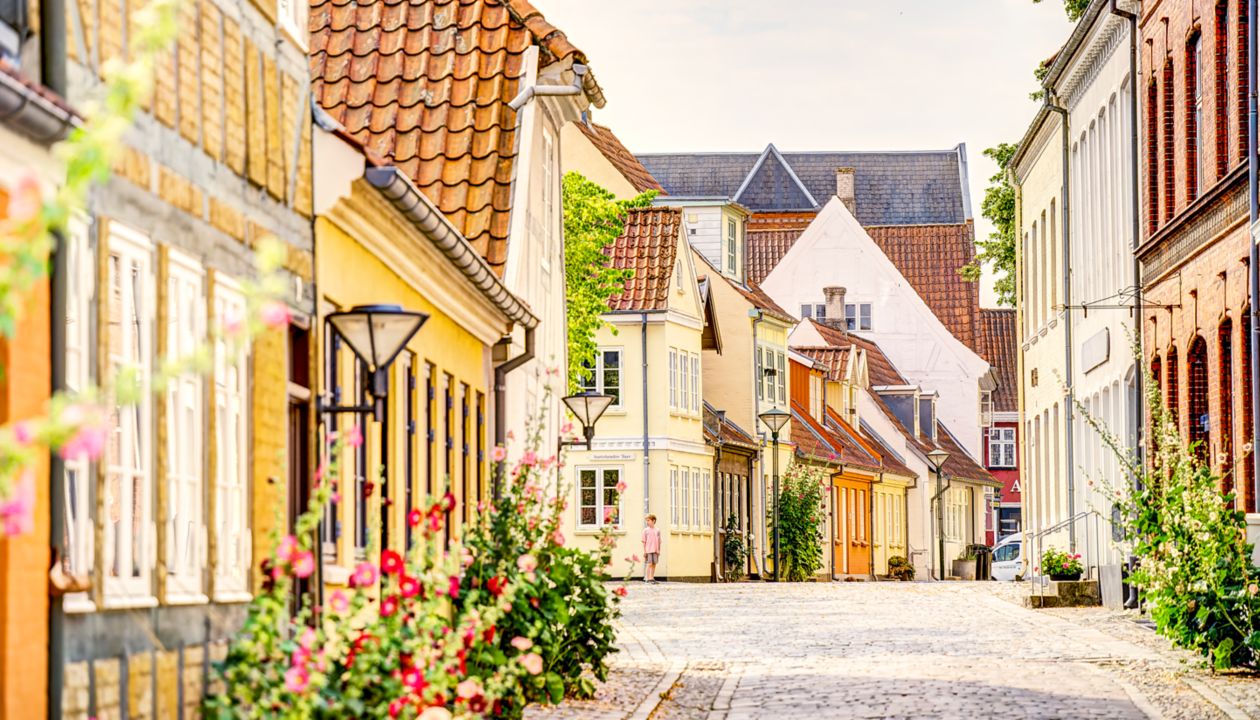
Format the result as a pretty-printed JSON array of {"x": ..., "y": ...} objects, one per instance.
[{"x": 1032, "y": 576}]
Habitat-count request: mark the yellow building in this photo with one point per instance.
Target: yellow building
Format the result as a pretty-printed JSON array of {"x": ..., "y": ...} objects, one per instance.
[
  {"x": 748, "y": 377},
  {"x": 652, "y": 436},
  {"x": 379, "y": 240}
]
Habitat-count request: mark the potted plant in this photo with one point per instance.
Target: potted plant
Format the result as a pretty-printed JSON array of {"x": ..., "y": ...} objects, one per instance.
[
  {"x": 900, "y": 568},
  {"x": 965, "y": 566},
  {"x": 1060, "y": 565}
]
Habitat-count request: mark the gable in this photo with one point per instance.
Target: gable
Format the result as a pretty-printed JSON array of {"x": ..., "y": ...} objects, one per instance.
[{"x": 772, "y": 185}]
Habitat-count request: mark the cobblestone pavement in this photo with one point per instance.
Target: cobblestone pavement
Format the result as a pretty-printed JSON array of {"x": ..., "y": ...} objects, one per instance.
[{"x": 893, "y": 650}]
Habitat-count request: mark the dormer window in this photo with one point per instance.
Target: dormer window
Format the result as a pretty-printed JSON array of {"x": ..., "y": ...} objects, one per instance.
[
  {"x": 732, "y": 250},
  {"x": 927, "y": 418}
]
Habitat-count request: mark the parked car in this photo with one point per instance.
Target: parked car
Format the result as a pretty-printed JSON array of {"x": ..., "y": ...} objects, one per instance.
[{"x": 1008, "y": 559}]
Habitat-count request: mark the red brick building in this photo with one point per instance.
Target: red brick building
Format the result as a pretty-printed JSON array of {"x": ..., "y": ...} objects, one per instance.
[{"x": 1194, "y": 249}]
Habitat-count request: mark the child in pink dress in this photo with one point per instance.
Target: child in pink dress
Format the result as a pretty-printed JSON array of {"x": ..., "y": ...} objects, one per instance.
[{"x": 651, "y": 549}]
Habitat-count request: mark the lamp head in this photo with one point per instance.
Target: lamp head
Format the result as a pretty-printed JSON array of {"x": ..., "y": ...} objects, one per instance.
[
  {"x": 377, "y": 333},
  {"x": 775, "y": 419},
  {"x": 937, "y": 459},
  {"x": 587, "y": 407}
]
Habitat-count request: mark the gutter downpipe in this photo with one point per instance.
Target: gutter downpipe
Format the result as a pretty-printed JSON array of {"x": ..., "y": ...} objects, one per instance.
[
  {"x": 1069, "y": 399},
  {"x": 870, "y": 524},
  {"x": 500, "y": 396},
  {"x": 1253, "y": 179},
  {"x": 756, "y": 315},
  {"x": 647, "y": 443},
  {"x": 577, "y": 88},
  {"x": 52, "y": 51}
]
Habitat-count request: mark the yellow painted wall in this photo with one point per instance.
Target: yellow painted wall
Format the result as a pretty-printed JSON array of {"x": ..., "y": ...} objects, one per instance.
[
  {"x": 348, "y": 274},
  {"x": 578, "y": 154}
]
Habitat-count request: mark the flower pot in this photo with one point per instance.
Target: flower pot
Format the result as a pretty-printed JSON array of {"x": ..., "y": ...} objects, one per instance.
[{"x": 1069, "y": 577}]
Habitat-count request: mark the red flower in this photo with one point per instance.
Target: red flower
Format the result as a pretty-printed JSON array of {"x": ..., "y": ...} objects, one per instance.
[
  {"x": 621, "y": 591},
  {"x": 454, "y": 589},
  {"x": 408, "y": 586},
  {"x": 391, "y": 562},
  {"x": 449, "y": 501},
  {"x": 496, "y": 585},
  {"x": 368, "y": 487},
  {"x": 389, "y": 606},
  {"x": 414, "y": 518},
  {"x": 488, "y": 635}
]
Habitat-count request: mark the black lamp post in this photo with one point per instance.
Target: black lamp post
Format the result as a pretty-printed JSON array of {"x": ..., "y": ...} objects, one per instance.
[
  {"x": 937, "y": 459},
  {"x": 775, "y": 419},
  {"x": 587, "y": 407},
  {"x": 376, "y": 334}
]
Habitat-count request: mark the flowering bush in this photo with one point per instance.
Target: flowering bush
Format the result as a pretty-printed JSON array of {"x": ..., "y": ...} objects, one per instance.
[
  {"x": 561, "y": 605},
  {"x": 802, "y": 513},
  {"x": 900, "y": 568},
  {"x": 734, "y": 550},
  {"x": 1057, "y": 562},
  {"x": 399, "y": 643}
]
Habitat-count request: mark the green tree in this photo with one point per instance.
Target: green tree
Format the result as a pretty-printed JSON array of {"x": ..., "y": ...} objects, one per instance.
[
  {"x": 999, "y": 208},
  {"x": 593, "y": 219},
  {"x": 1074, "y": 8}
]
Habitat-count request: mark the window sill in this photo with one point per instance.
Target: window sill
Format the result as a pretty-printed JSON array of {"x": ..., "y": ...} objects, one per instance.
[
  {"x": 128, "y": 603},
  {"x": 233, "y": 597},
  {"x": 588, "y": 531},
  {"x": 336, "y": 575},
  {"x": 186, "y": 599},
  {"x": 78, "y": 603}
]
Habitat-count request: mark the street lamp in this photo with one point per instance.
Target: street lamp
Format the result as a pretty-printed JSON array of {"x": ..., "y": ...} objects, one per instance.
[
  {"x": 376, "y": 334},
  {"x": 937, "y": 458},
  {"x": 775, "y": 419},
  {"x": 587, "y": 407}
]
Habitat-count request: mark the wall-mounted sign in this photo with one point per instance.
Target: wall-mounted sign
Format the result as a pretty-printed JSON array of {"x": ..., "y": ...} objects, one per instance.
[{"x": 1096, "y": 350}]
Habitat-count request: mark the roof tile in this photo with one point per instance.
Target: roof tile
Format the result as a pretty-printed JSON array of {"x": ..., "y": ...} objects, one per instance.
[
  {"x": 996, "y": 344},
  {"x": 649, "y": 247},
  {"x": 930, "y": 256},
  {"x": 621, "y": 158}
]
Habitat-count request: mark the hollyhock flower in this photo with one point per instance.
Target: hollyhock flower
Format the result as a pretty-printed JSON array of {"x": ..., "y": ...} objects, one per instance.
[
  {"x": 436, "y": 712},
  {"x": 17, "y": 512},
  {"x": 287, "y": 549},
  {"x": 468, "y": 688},
  {"x": 396, "y": 707},
  {"x": 304, "y": 564},
  {"x": 338, "y": 601},
  {"x": 1252, "y": 589},
  {"x": 522, "y": 643},
  {"x": 453, "y": 590},
  {"x": 527, "y": 563},
  {"x": 566, "y": 428},
  {"x": 296, "y": 680},
  {"x": 532, "y": 662},
  {"x": 391, "y": 562},
  {"x": 414, "y": 679},
  {"x": 408, "y": 586},
  {"x": 487, "y": 635},
  {"x": 88, "y": 441},
  {"x": 414, "y": 518},
  {"x": 496, "y": 585},
  {"x": 274, "y": 314},
  {"x": 364, "y": 575},
  {"x": 529, "y": 458},
  {"x": 557, "y": 537},
  {"x": 621, "y": 591},
  {"x": 621, "y": 486},
  {"x": 26, "y": 199},
  {"x": 389, "y": 606},
  {"x": 498, "y": 454},
  {"x": 368, "y": 488},
  {"x": 307, "y": 641},
  {"x": 354, "y": 436},
  {"x": 449, "y": 501},
  {"x": 22, "y": 433},
  {"x": 609, "y": 512},
  {"x": 633, "y": 559}
]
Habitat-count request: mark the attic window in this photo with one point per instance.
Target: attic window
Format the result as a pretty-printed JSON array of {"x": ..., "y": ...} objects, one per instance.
[
  {"x": 857, "y": 316},
  {"x": 927, "y": 418}
]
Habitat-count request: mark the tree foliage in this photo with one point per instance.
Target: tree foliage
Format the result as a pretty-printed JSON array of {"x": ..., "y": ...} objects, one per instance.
[
  {"x": 998, "y": 207},
  {"x": 1074, "y": 8},
  {"x": 593, "y": 218}
]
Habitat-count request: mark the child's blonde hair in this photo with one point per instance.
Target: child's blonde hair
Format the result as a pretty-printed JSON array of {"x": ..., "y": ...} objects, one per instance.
[{"x": 651, "y": 517}]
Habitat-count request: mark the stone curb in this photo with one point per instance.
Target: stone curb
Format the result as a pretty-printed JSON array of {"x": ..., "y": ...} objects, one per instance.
[
  {"x": 653, "y": 699},
  {"x": 722, "y": 703},
  {"x": 1215, "y": 698},
  {"x": 1135, "y": 696}
]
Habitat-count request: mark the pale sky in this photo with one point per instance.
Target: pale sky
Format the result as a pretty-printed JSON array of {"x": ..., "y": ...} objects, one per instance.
[{"x": 707, "y": 75}]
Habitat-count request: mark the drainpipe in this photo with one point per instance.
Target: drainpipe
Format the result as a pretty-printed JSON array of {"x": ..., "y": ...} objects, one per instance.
[
  {"x": 647, "y": 461},
  {"x": 870, "y": 525},
  {"x": 1068, "y": 400},
  {"x": 1254, "y": 265},
  {"x": 56, "y": 473},
  {"x": 500, "y": 397},
  {"x": 757, "y": 319},
  {"x": 717, "y": 501},
  {"x": 52, "y": 50},
  {"x": 533, "y": 91}
]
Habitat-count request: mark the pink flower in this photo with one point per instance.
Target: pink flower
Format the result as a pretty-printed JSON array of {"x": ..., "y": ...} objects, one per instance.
[
  {"x": 609, "y": 513},
  {"x": 468, "y": 688},
  {"x": 88, "y": 441},
  {"x": 338, "y": 601},
  {"x": 354, "y": 436},
  {"x": 498, "y": 454},
  {"x": 308, "y": 638},
  {"x": 287, "y": 549},
  {"x": 1252, "y": 589},
  {"x": 389, "y": 606},
  {"x": 621, "y": 591},
  {"x": 522, "y": 643},
  {"x": 304, "y": 564},
  {"x": 274, "y": 314},
  {"x": 22, "y": 433},
  {"x": 557, "y": 537},
  {"x": 414, "y": 518},
  {"x": 296, "y": 679},
  {"x": 633, "y": 559},
  {"x": 529, "y": 458},
  {"x": 391, "y": 562},
  {"x": 26, "y": 199},
  {"x": 621, "y": 486},
  {"x": 435, "y": 712},
  {"x": 453, "y": 589},
  {"x": 408, "y": 586},
  {"x": 527, "y": 563},
  {"x": 532, "y": 662},
  {"x": 364, "y": 575},
  {"x": 396, "y": 707},
  {"x": 17, "y": 512},
  {"x": 566, "y": 428}
]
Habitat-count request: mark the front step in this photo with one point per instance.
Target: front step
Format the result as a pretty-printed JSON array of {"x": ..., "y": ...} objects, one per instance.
[{"x": 1074, "y": 593}]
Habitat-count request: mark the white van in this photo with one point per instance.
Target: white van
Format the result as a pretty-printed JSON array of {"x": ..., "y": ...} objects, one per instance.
[{"x": 1008, "y": 559}]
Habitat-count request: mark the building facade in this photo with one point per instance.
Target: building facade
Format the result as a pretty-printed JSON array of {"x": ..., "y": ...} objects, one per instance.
[{"x": 999, "y": 417}]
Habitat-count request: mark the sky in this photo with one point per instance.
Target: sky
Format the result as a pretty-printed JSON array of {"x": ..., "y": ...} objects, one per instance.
[{"x": 734, "y": 75}]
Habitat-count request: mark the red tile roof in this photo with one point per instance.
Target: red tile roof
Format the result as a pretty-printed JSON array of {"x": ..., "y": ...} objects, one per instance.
[
  {"x": 813, "y": 439},
  {"x": 770, "y": 236},
  {"x": 834, "y": 359},
  {"x": 995, "y": 342},
  {"x": 886, "y": 456},
  {"x": 425, "y": 85},
  {"x": 718, "y": 429},
  {"x": 649, "y": 247},
  {"x": 929, "y": 256},
  {"x": 878, "y": 367},
  {"x": 621, "y": 158}
]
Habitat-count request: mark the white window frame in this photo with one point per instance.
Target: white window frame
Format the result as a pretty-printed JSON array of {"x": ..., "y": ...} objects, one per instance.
[
  {"x": 707, "y": 479},
  {"x": 1001, "y": 442},
  {"x": 684, "y": 493},
  {"x": 853, "y": 316},
  {"x": 597, "y": 380},
  {"x": 602, "y": 486},
  {"x": 292, "y": 15},
  {"x": 986, "y": 408},
  {"x": 80, "y": 481},
  {"x": 131, "y": 247},
  {"x": 697, "y": 500},
  {"x": 732, "y": 254},
  {"x": 231, "y": 482},
  {"x": 673, "y": 378},
  {"x": 781, "y": 377},
  {"x": 695, "y": 383},
  {"x": 186, "y": 429},
  {"x": 760, "y": 373},
  {"x": 673, "y": 497},
  {"x": 684, "y": 381}
]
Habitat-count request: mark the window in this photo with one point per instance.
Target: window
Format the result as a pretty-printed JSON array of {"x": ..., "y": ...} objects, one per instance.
[
  {"x": 760, "y": 376},
  {"x": 1246, "y": 436},
  {"x": 292, "y": 15},
  {"x": 1194, "y": 118},
  {"x": 684, "y": 497},
  {"x": 850, "y": 504},
  {"x": 731, "y": 247},
  {"x": 605, "y": 377},
  {"x": 818, "y": 311},
  {"x": 1001, "y": 447},
  {"x": 1152, "y": 158},
  {"x": 1225, "y": 373},
  {"x": 231, "y": 398},
  {"x": 857, "y": 316},
  {"x": 410, "y": 440},
  {"x": 600, "y": 503},
  {"x": 1221, "y": 37},
  {"x": 448, "y": 436},
  {"x": 78, "y": 354},
  {"x": 1197, "y": 384},
  {"x": 330, "y": 526},
  {"x": 128, "y": 455},
  {"x": 684, "y": 381},
  {"x": 1169, "y": 176},
  {"x": 465, "y": 430},
  {"x": 673, "y": 378},
  {"x": 861, "y": 520},
  {"x": 674, "y": 518},
  {"x": 185, "y": 422},
  {"x": 1172, "y": 395},
  {"x": 707, "y": 486},
  {"x": 695, "y": 383},
  {"x": 986, "y": 408},
  {"x": 697, "y": 500},
  {"x": 1241, "y": 84},
  {"x": 781, "y": 375}
]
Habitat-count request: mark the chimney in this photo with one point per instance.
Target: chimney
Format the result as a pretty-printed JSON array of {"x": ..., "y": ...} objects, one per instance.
[
  {"x": 846, "y": 188},
  {"x": 835, "y": 306}
]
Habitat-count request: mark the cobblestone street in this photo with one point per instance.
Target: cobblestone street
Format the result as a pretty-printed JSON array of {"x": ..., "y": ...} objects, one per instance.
[{"x": 890, "y": 650}]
